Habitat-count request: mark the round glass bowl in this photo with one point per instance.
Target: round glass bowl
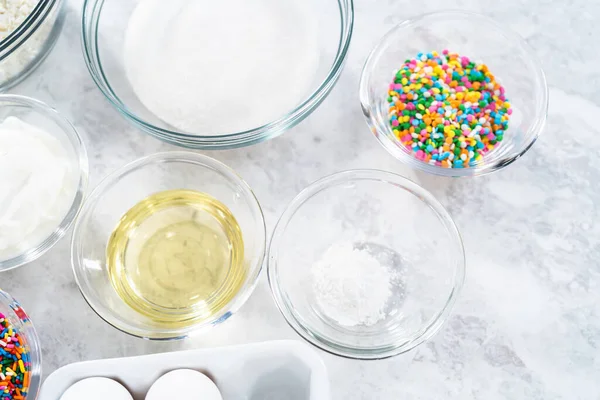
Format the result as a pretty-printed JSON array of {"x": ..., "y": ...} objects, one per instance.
[
  {"x": 126, "y": 187},
  {"x": 48, "y": 119},
  {"x": 481, "y": 39},
  {"x": 23, "y": 50},
  {"x": 19, "y": 320},
  {"x": 104, "y": 25},
  {"x": 398, "y": 223}
]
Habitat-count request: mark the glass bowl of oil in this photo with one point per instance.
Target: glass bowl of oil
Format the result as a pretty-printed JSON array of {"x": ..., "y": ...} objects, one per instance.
[{"x": 170, "y": 244}]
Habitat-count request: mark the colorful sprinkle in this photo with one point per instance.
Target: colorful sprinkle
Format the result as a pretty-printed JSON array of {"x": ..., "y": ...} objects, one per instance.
[
  {"x": 448, "y": 110},
  {"x": 14, "y": 361}
]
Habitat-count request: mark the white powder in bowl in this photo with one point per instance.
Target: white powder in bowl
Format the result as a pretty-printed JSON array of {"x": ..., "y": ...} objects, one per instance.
[
  {"x": 215, "y": 67},
  {"x": 351, "y": 286}
]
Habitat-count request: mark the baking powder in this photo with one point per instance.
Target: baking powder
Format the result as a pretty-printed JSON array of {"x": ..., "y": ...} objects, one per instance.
[{"x": 351, "y": 286}]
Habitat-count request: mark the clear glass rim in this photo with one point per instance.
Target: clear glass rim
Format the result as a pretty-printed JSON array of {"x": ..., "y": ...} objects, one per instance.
[
  {"x": 382, "y": 132},
  {"x": 33, "y": 341},
  {"x": 81, "y": 153},
  {"x": 88, "y": 207},
  {"x": 287, "y": 309},
  {"x": 89, "y": 37}
]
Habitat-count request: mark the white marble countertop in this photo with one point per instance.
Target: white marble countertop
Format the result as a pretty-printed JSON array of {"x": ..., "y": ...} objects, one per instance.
[{"x": 527, "y": 325}]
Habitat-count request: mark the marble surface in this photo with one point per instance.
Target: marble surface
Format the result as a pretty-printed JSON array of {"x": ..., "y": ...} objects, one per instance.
[{"x": 527, "y": 325}]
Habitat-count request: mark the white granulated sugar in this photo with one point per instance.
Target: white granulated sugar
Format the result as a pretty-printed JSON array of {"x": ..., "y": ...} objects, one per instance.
[
  {"x": 215, "y": 67},
  {"x": 351, "y": 286}
]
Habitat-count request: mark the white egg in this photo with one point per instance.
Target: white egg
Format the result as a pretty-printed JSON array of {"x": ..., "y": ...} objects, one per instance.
[
  {"x": 96, "y": 389},
  {"x": 184, "y": 384}
]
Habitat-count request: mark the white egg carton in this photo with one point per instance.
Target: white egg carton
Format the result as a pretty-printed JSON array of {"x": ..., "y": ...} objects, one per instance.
[{"x": 280, "y": 370}]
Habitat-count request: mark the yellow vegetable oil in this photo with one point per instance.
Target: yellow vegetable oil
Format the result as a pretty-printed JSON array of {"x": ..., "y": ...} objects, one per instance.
[{"x": 177, "y": 257}]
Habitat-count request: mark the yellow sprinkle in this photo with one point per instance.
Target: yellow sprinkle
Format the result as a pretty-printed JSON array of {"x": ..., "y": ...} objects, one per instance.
[
  {"x": 21, "y": 366},
  {"x": 420, "y": 107},
  {"x": 406, "y": 118},
  {"x": 404, "y": 81}
]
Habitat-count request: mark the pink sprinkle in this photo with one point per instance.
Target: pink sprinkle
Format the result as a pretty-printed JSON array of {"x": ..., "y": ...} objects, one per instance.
[
  {"x": 460, "y": 88},
  {"x": 448, "y": 79},
  {"x": 420, "y": 154},
  {"x": 468, "y": 85},
  {"x": 491, "y": 136},
  {"x": 10, "y": 346},
  {"x": 395, "y": 122},
  {"x": 398, "y": 86},
  {"x": 509, "y": 111},
  {"x": 403, "y": 96},
  {"x": 392, "y": 86},
  {"x": 424, "y": 131},
  {"x": 446, "y": 122},
  {"x": 438, "y": 163},
  {"x": 445, "y": 67},
  {"x": 469, "y": 117},
  {"x": 406, "y": 138},
  {"x": 445, "y": 52}
]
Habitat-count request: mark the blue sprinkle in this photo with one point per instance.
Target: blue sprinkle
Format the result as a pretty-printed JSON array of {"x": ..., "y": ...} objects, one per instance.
[
  {"x": 415, "y": 122},
  {"x": 430, "y": 148},
  {"x": 440, "y": 110}
]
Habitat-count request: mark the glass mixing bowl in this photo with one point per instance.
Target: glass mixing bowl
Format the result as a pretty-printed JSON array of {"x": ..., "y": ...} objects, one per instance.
[
  {"x": 103, "y": 31},
  {"x": 126, "y": 187},
  {"x": 395, "y": 221},
  {"x": 23, "y": 50},
  {"x": 478, "y": 37},
  {"x": 19, "y": 319},
  {"x": 48, "y": 119}
]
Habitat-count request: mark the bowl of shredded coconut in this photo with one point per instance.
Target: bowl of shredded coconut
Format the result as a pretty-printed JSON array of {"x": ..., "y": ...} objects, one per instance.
[
  {"x": 216, "y": 74},
  {"x": 365, "y": 264},
  {"x": 43, "y": 175},
  {"x": 28, "y": 31}
]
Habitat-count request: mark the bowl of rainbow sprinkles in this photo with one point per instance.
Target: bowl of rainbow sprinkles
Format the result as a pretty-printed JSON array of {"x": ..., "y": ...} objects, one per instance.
[{"x": 463, "y": 97}]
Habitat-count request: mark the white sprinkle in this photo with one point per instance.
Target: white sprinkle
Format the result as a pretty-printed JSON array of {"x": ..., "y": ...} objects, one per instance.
[
  {"x": 497, "y": 92},
  {"x": 471, "y": 154},
  {"x": 393, "y": 112},
  {"x": 448, "y": 114},
  {"x": 2, "y": 343},
  {"x": 463, "y": 157},
  {"x": 468, "y": 104},
  {"x": 451, "y": 156},
  {"x": 477, "y": 128},
  {"x": 452, "y": 146},
  {"x": 423, "y": 57},
  {"x": 426, "y": 94},
  {"x": 417, "y": 69},
  {"x": 463, "y": 144},
  {"x": 419, "y": 116},
  {"x": 464, "y": 127},
  {"x": 2, "y": 376},
  {"x": 415, "y": 135}
]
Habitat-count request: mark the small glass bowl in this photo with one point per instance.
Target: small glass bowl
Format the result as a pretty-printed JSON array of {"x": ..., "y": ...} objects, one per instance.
[
  {"x": 396, "y": 221},
  {"x": 481, "y": 39},
  {"x": 104, "y": 23},
  {"x": 47, "y": 118},
  {"x": 19, "y": 319},
  {"x": 22, "y": 51},
  {"x": 123, "y": 189}
]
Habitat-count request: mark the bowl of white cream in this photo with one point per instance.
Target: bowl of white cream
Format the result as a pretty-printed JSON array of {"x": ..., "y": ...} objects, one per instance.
[{"x": 43, "y": 175}]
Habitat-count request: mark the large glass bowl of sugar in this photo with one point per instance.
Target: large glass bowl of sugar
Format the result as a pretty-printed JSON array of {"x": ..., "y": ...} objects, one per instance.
[{"x": 215, "y": 75}]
